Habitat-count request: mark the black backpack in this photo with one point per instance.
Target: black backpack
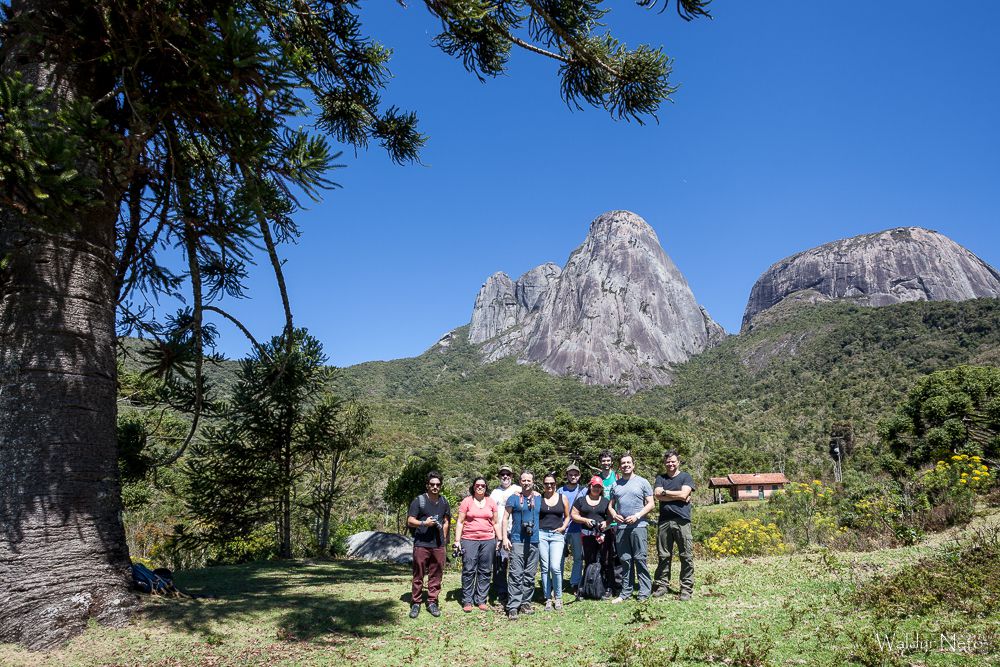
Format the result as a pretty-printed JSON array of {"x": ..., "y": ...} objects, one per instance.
[{"x": 592, "y": 586}]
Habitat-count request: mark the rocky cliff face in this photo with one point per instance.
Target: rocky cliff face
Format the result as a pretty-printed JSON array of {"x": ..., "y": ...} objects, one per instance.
[
  {"x": 902, "y": 264},
  {"x": 619, "y": 313},
  {"x": 503, "y": 305}
]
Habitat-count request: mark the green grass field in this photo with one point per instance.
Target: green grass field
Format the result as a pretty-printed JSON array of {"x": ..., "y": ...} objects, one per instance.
[{"x": 787, "y": 610}]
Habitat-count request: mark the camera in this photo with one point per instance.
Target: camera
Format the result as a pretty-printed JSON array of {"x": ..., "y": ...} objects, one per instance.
[
  {"x": 527, "y": 527},
  {"x": 457, "y": 551}
]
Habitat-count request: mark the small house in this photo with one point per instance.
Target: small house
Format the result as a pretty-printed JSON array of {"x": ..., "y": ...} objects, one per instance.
[{"x": 755, "y": 486}]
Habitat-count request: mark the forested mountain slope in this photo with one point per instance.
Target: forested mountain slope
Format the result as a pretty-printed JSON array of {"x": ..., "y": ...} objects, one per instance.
[{"x": 774, "y": 391}]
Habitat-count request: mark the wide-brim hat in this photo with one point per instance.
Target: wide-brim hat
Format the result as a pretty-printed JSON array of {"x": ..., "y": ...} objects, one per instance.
[{"x": 505, "y": 468}]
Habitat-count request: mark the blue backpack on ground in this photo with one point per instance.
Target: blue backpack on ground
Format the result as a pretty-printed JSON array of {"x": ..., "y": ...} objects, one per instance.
[{"x": 148, "y": 581}]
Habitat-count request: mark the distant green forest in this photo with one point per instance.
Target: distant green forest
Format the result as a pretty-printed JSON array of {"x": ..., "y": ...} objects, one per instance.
[
  {"x": 774, "y": 391},
  {"x": 765, "y": 399}
]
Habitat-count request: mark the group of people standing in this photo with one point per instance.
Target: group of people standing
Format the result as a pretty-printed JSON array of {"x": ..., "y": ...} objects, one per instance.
[{"x": 502, "y": 537}]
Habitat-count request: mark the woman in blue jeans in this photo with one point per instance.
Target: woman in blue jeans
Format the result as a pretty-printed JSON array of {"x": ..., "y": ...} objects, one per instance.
[{"x": 553, "y": 520}]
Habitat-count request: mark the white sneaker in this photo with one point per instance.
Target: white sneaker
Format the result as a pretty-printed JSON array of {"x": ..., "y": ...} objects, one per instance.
[{"x": 548, "y": 605}]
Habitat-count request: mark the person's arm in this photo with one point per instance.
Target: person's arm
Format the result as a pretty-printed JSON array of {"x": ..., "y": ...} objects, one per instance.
[
  {"x": 664, "y": 495},
  {"x": 647, "y": 508},
  {"x": 506, "y": 516},
  {"x": 613, "y": 509},
  {"x": 444, "y": 528},
  {"x": 684, "y": 494},
  {"x": 565, "y": 525},
  {"x": 576, "y": 516},
  {"x": 496, "y": 524},
  {"x": 458, "y": 527},
  {"x": 412, "y": 521}
]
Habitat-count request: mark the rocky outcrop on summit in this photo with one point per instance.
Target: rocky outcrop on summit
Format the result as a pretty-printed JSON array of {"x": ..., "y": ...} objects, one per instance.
[
  {"x": 502, "y": 304},
  {"x": 620, "y": 313},
  {"x": 531, "y": 288},
  {"x": 896, "y": 265},
  {"x": 496, "y": 309}
]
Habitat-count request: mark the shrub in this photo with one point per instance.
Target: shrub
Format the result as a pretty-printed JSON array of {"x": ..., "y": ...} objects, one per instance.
[
  {"x": 963, "y": 578},
  {"x": 735, "y": 648},
  {"x": 258, "y": 545},
  {"x": 804, "y": 512},
  {"x": 950, "y": 488},
  {"x": 746, "y": 537},
  {"x": 962, "y": 472},
  {"x": 880, "y": 515},
  {"x": 705, "y": 524}
]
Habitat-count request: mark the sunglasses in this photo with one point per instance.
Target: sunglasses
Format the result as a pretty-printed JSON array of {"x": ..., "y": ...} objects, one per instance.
[
  {"x": 550, "y": 483},
  {"x": 480, "y": 486},
  {"x": 433, "y": 483}
]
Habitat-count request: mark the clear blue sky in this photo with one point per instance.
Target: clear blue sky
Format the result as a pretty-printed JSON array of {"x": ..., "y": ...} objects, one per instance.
[{"x": 796, "y": 123}]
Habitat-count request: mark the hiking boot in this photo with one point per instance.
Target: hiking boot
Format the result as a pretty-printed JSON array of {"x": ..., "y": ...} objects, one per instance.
[
  {"x": 557, "y": 605},
  {"x": 660, "y": 592},
  {"x": 526, "y": 609},
  {"x": 512, "y": 615},
  {"x": 467, "y": 608},
  {"x": 548, "y": 605},
  {"x": 484, "y": 607},
  {"x": 414, "y": 610},
  {"x": 432, "y": 609},
  {"x": 684, "y": 596}
]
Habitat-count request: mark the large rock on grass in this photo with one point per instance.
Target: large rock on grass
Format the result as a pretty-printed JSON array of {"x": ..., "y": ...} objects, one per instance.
[{"x": 376, "y": 545}]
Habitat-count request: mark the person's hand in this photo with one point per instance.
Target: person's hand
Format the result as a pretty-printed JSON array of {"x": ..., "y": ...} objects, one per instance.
[
  {"x": 604, "y": 525},
  {"x": 506, "y": 544},
  {"x": 631, "y": 518}
]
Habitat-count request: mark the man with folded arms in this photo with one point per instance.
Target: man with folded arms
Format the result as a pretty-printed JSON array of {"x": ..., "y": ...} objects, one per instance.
[{"x": 673, "y": 490}]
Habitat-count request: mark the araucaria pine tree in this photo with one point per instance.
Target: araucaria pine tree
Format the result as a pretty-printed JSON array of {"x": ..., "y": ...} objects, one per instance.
[{"x": 146, "y": 150}]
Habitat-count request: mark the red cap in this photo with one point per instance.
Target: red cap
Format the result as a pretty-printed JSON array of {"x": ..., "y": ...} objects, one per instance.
[{"x": 596, "y": 479}]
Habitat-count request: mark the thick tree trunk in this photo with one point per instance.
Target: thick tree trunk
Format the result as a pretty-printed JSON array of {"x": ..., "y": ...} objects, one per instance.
[{"x": 63, "y": 557}]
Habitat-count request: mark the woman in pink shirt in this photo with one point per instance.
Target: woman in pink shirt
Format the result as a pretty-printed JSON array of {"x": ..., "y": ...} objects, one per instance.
[{"x": 477, "y": 534}]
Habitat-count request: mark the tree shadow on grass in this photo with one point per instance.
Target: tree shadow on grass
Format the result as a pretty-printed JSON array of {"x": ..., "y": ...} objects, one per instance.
[{"x": 303, "y": 600}]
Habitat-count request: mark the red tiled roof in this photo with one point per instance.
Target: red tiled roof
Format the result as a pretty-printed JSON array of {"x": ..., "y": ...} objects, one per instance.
[
  {"x": 759, "y": 478},
  {"x": 718, "y": 481}
]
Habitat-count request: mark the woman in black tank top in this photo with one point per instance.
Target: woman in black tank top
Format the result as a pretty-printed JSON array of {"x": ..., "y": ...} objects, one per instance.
[{"x": 553, "y": 519}]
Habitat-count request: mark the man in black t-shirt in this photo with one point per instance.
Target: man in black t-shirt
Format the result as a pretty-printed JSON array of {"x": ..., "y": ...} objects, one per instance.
[
  {"x": 673, "y": 489},
  {"x": 429, "y": 517}
]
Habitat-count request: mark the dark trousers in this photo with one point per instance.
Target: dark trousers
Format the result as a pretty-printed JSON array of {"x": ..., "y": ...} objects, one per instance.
[
  {"x": 668, "y": 534},
  {"x": 430, "y": 563},
  {"x": 603, "y": 553},
  {"x": 477, "y": 565},
  {"x": 523, "y": 566},
  {"x": 500, "y": 566}
]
